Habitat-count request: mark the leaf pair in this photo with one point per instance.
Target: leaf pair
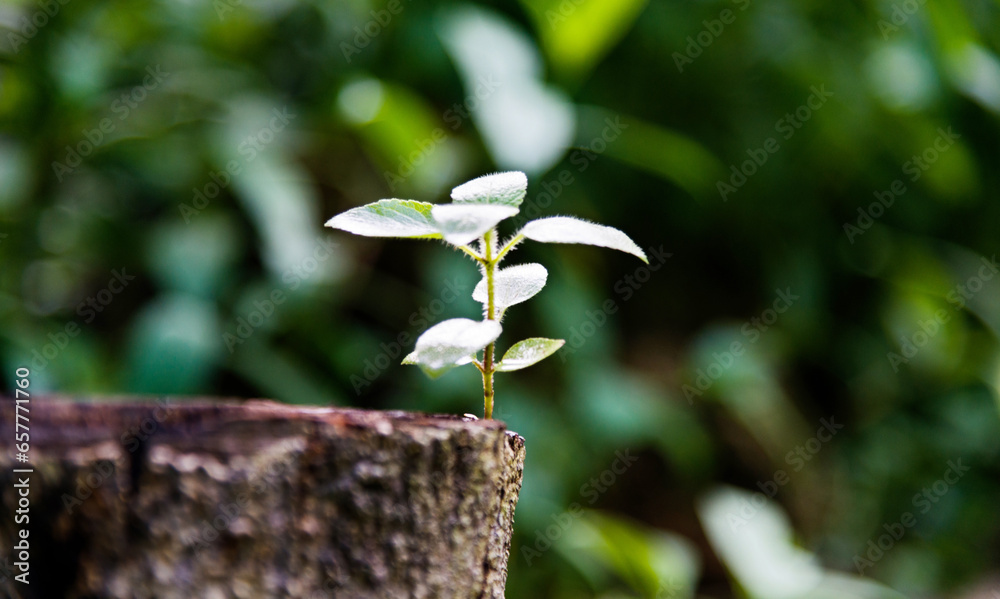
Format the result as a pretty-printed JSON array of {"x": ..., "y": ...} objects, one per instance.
[
  {"x": 456, "y": 342},
  {"x": 478, "y": 207},
  {"x": 455, "y": 223}
]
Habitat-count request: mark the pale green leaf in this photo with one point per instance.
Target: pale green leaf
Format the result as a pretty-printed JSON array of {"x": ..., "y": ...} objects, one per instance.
[
  {"x": 452, "y": 343},
  {"x": 411, "y": 360},
  {"x": 388, "y": 118},
  {"x": 512, "y": 285},
  {"x": 655, "y": 149},
  {"x": 462, "y": 223},
  {"x": 506, "y": 189},
  {"x": 530, "y": 351},
  {"x": 577, "y": 35},
  {"x": 525, "y": 123},
  {"x": 566, "y": 229},
  {"x": 756, "y": 542},
  {"x": 388, "y": 218},
  {"x": 652, "y": 562}
]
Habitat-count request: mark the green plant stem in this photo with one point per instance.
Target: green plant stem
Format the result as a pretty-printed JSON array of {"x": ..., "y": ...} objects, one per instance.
[
  {"x": 488, "y": 366},
  {"x": 471, "y": 253},
  {"x": 509, "y": 246}
]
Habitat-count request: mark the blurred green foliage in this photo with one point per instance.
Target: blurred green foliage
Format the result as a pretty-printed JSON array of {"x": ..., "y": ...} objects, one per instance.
[{"x": 199, "y": 147}]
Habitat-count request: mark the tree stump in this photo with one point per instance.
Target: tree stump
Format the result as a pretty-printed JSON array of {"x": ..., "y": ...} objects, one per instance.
[{"x": 171, "y": 498}]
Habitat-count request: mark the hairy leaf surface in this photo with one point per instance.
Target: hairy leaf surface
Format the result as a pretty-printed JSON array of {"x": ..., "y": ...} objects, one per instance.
[
  {"x": 451, "y": 343},
  {"x": 462, "y": 223},
  {"x": 530, "y": 351},
  {"x": 388, "y": 218},
  {"x": 512, "y": 285},
  {"x": 506, "y": 189},
  {"x": 566, "y": 229}
]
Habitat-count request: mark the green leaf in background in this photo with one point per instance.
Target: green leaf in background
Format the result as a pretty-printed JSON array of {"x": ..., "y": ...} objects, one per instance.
[
  {"x": 528, "y": 352},
  {"x": 525, "y": 123},
  {"x": 567, "y": 229},
  {"x": 974, "y": 69},
  {"x": 507, "y": 189},
  {"x": 281, "y": 204},
  {"x": 513, "y": 285},
  {"x": 452, "y": 343},
  {"x": 388, "y": 218},
  {"x": 174, "y": 343},
  {"x": 754, "y": 539},
  {"x": 576, "y": 35},
  {"x": 655, "y": 149},
  {"x": 462, "y": 223},
  {"x": 652, "y": 562},
  {"x": 404, "y": 134}
]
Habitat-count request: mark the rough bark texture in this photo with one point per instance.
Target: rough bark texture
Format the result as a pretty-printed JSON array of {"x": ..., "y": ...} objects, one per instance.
[{"x": 172, "y": 499}]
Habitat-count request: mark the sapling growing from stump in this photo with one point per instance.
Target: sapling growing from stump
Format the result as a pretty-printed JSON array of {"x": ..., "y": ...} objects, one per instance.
[{"x": 469, "y": 224}]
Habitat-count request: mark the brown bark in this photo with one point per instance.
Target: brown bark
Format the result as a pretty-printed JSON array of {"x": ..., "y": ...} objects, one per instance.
[{"x": 178, "y": 499}]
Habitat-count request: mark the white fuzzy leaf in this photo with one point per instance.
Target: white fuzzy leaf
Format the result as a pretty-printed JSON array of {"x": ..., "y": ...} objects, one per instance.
[
  {"x": 388, "y": 218},
  {"x": 512, "y": 285},
  {"x": 452, "y": 343},
  {"x": 566, "y": 229},
  {"x": 530, "y": 351},
  {"x": 462, "y": 223},
  {"x": 506, "y": 189}
]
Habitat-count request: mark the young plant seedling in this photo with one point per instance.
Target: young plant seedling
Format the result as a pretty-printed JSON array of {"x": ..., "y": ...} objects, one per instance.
[{"x": 469, "y": 224}]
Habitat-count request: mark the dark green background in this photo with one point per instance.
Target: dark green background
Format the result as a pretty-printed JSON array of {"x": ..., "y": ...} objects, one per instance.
[{"x": 694, "y": 90}]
